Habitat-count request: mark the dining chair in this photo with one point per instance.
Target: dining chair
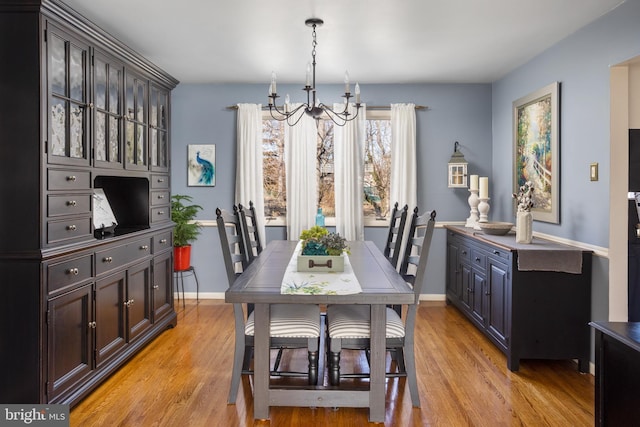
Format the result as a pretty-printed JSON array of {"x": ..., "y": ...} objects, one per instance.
[
  {"x": 292, "y": 325},
  {"x": 249, "y": 225},
  {"x": 397, "y": 221},
  {"x": 349, "y": 326}
]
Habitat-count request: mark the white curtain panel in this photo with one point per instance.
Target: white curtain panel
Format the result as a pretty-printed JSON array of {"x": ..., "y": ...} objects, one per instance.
[
  {"x": 404, "y": 181},
  {"x": 300, "y": 151},
  {"x": 249, "y": 181},
  {"x": 348, "y": 151}
]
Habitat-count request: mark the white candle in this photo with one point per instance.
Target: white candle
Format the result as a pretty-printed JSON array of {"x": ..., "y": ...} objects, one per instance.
[
  {"x": 474, "y": 182},
  {"x": 484, "y": 187}
]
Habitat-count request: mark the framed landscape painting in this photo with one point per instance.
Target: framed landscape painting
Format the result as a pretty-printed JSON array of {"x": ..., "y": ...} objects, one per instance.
[
  {"x": 536, "y": 121},
  {"x": 201, "y": 166}
]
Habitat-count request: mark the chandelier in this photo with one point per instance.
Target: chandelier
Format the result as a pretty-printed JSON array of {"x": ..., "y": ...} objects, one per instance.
[{"x": 313, "y": 107}]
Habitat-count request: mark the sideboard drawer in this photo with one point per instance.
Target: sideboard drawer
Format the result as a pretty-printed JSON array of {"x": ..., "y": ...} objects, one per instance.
[
  {"x": 73, "y": 228},
  {"x": 69, "y": 204},
  {"x": 116, "y": 257},
  {"x": 67, "y": 273},
  {"x": 479, "y": 258},
  {"x": 68, "y": 179}
]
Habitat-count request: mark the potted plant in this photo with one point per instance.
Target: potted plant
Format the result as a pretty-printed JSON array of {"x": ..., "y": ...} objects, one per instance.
[
  {"x": 321, "y": 250},
  {"x": 185, "y": 231}
]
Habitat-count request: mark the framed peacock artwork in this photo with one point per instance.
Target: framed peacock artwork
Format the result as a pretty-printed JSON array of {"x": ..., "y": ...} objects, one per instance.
[{"x": 201, "y": 167}]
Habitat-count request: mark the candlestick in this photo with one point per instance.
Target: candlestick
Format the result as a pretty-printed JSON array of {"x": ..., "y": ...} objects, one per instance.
[
  {"x": 473, "y": 200},
  {"x": 483, "y": 208},
  {"x": 474, "y": 183},
  {"x": 484, "y": 187}
]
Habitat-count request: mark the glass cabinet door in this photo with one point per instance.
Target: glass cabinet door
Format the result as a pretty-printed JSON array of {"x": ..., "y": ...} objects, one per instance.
[
  {"x": 67, "y": 61},
  {"x": 159, "y": 138},
  {"x": 137, "y": 125},
  {"x": 108, "y": 83}
]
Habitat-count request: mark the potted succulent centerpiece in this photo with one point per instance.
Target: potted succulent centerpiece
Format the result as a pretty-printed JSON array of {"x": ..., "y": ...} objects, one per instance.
[
  {"x": 322, "y": 250},
  {"x": 185, "y": 231}
]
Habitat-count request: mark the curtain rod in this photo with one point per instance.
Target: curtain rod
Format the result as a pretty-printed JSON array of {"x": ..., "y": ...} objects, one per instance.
[{"x": 369, "y": 107}]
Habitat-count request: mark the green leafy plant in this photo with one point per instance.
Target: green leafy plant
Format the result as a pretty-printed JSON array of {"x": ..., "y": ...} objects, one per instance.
[
  {"x": 183, "y": 213},
  {"x": 318, "y": 241}
]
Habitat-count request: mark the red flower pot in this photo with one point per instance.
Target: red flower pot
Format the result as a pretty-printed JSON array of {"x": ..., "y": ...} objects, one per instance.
[{"x": 181, "y": 257}]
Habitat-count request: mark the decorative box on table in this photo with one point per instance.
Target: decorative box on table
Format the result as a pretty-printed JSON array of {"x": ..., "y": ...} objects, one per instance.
[{"x": 321, "y": 263}]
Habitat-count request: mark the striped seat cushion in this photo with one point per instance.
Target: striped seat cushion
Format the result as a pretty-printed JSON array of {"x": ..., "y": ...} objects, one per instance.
[
  {"x": 352, "y": 321},
  {"x": 291, "y": 320}
]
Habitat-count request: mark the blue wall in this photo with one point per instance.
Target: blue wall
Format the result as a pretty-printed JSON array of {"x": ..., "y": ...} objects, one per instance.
[
  {"x": 478, "y": 116},
  {"x": 456, "y": 113},
  {"x": 581, "y": 64}
]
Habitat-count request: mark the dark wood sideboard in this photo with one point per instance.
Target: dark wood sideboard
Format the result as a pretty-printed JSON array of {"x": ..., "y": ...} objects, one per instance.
[
  {"x": 526, "y": 314},
  {"x": 617, "y": 373},
  {"x": 81, "y": 111}
]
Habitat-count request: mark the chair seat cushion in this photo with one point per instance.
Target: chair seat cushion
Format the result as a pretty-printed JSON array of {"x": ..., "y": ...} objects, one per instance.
[
  {"x": 290, "y": 320},
  {"x": 353, "y": 321}
]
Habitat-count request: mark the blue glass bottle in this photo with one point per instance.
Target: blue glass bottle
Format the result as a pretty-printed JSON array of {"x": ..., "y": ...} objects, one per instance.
[{"x": 320, "y": 218}]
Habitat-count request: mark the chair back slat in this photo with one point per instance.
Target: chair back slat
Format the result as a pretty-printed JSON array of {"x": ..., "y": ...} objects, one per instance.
[
  {"x": 232, "y": 242},
  {"x": 397, "y": 221},
  {"x": 249, "y": 225},
  {"x": 416, "y": 253}
]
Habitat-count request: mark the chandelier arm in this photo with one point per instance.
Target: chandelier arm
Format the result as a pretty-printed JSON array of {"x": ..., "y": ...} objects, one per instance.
[
  {"x": 284, "y": 115},
  {"x": 340, "y": 119}
]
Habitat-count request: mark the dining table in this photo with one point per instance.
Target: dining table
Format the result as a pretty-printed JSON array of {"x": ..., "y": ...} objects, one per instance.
[{"x": 261, "y": 284}]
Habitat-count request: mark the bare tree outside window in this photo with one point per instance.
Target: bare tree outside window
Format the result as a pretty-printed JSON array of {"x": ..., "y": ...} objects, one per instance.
[{"x": 377, "y": 168}]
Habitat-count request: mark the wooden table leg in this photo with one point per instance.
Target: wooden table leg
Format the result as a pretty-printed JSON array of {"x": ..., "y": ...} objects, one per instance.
[
  {"x": 261, "y": 363},
  {"x": 378, "y": 352}
]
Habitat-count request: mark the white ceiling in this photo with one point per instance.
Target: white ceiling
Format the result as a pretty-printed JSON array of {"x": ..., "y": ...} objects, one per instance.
[{"x": 377, "y": 41}]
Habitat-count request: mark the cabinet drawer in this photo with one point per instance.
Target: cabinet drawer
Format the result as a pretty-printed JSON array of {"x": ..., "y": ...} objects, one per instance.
[
  {"x": 479, "y": 258},
  {"x": 501, "y": 254},
  {"x": 69, "y": 204},
  {"x": 73, "y": 228},
  {"x": 69, "y": 272},
  {"x": 159, "y": 181},
  {"x": 113, "y": 258},
  {"x": 160, "y": 214},
  {"x": 68, "y": 179},
  {"x": 159, "y": 198},
  {"x": 465, "y": 253},
  {"x": 161, "y": 242}
]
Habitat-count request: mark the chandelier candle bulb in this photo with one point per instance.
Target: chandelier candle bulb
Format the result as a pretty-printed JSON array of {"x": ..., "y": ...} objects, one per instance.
[
  {"x": 346, "y": 82},
  {"x": 357, "y": 89},
  {"x": 273, "y": 83},
  {"x": 474, "y": 183},
  {"x": 308, "y": 74},
  {"x": 484, "y": 187}
]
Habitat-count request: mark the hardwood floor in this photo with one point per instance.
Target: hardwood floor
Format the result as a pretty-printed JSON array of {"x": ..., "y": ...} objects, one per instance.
[{"x": 182, "y": 379}]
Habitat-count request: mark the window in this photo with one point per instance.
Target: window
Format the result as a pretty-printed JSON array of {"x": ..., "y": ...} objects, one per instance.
[{"x": 377, "y": 169}]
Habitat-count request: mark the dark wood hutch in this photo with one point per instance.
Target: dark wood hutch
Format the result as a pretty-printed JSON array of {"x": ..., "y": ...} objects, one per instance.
[{"x": 80, "y": 111}]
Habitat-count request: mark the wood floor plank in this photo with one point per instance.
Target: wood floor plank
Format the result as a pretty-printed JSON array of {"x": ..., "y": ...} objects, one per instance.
[{"x": 182, "y": 378}]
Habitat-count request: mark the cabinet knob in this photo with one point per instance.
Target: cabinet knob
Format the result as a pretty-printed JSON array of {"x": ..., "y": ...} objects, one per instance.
[
  {"x": 464, "y": 252},
  {"x": 477, "y": 259},
  {"x": 71, "y": 227},
  {"x": 163, "y": 241},
  {"x": 160, "y": 179},
  {"x": 156, "y": 287},
  {"x": 107, "y": 259},
  {"x": 160, "y": 196},
  {"x": 71, "y": 178},
  {"x": 128, "y": 303},
  {"x": 92, "y": 325},
  {"x": 71, "y": 202},
  {"x": 144, "y": 247},
  {"x": 496, "y": 252},
  {"x": 161, "y": 213},
  {"x": 73, "y": 271}
]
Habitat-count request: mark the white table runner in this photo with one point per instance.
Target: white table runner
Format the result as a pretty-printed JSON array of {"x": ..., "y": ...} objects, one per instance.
[{"x": 314, "y": 283}]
